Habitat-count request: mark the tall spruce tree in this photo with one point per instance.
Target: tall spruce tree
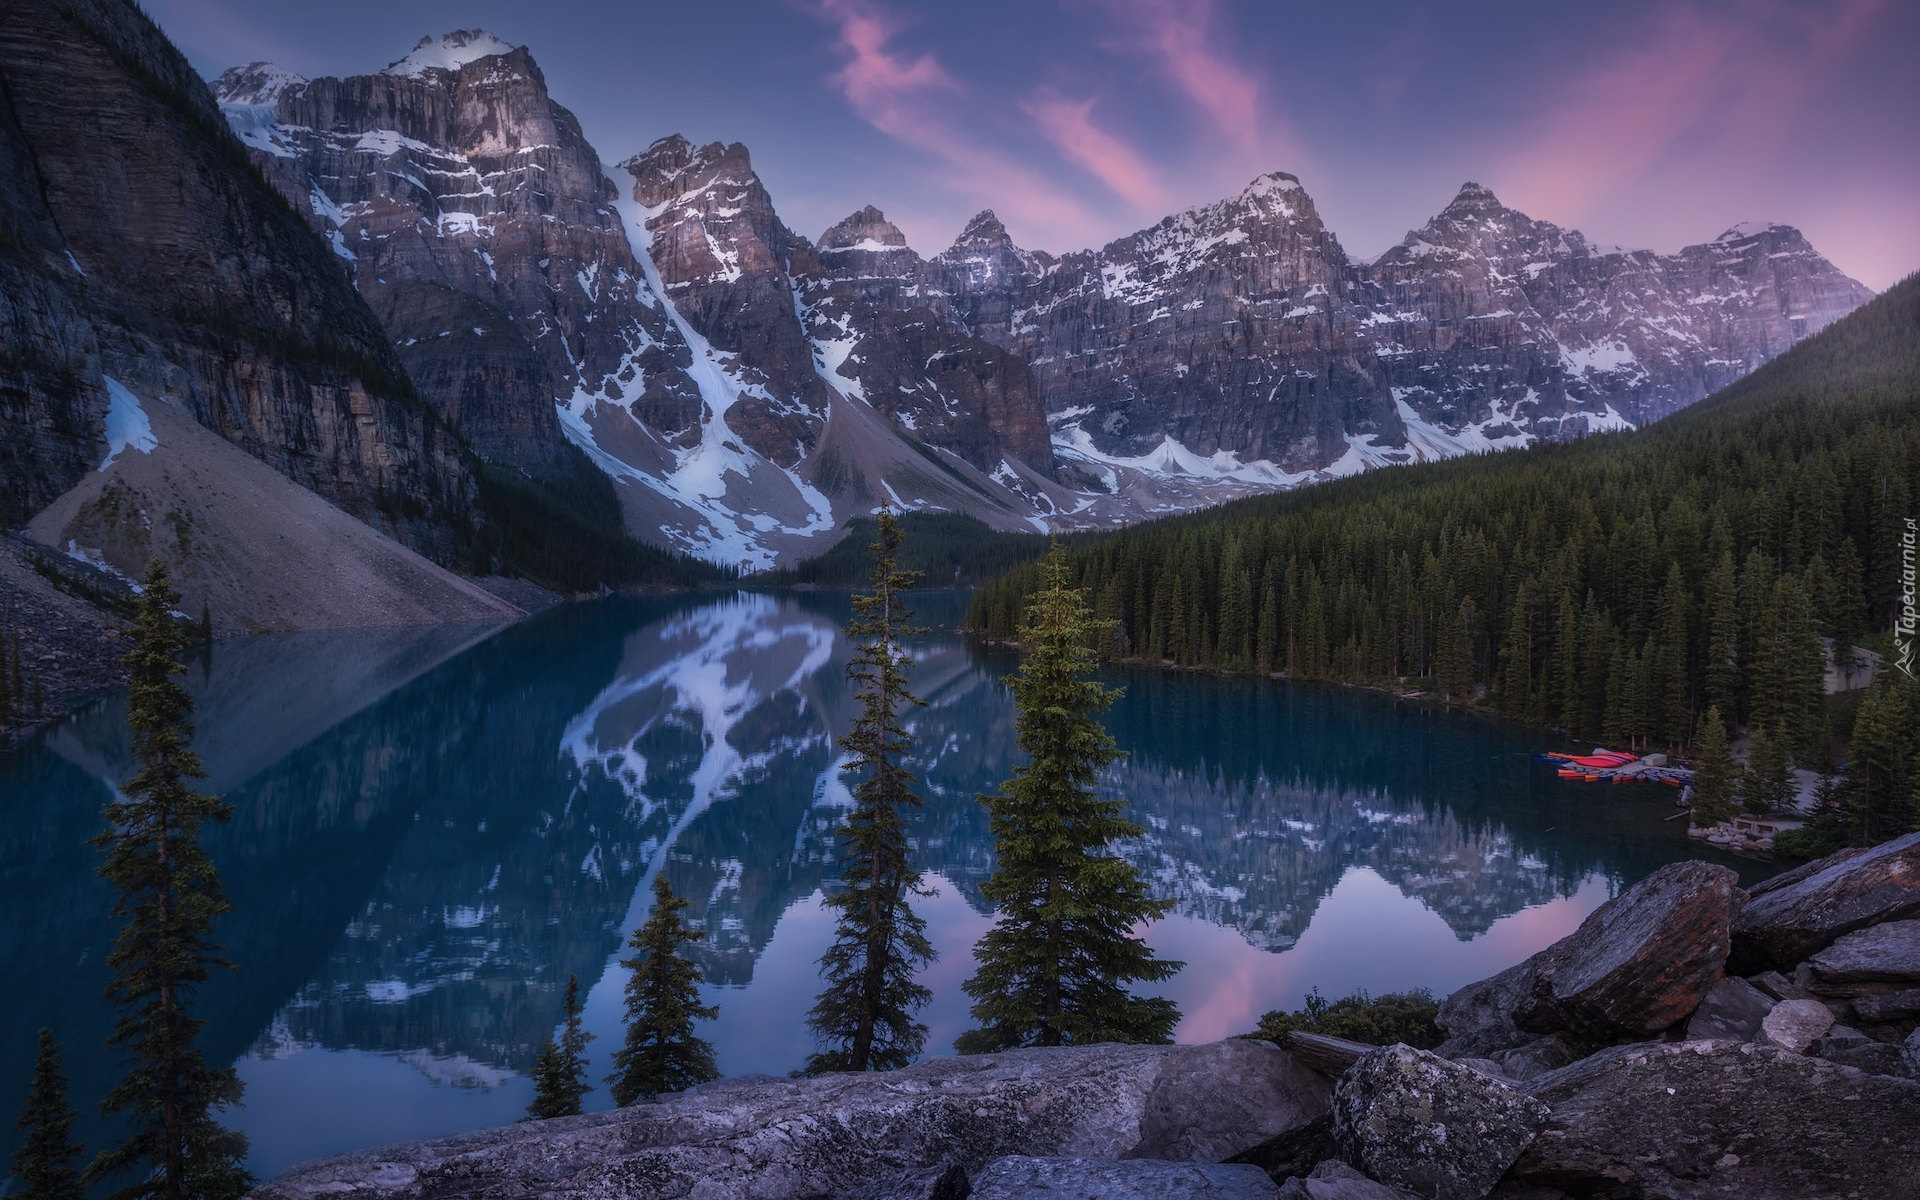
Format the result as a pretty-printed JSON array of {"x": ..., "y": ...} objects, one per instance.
[
  {"x": 45, "y": 1166},
  {"x": 864, "y": 1017},
  {"x": 560, "y": 1074},
  {"x": 661, "y": 1053},
  {"x": 1715, "y": 773},
  {"x": 170, "y": 896},
  {"x": 1054, "y": 968}
]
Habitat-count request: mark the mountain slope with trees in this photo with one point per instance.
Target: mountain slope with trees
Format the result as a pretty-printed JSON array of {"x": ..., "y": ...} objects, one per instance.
[{"x": 1616, "y": 587}]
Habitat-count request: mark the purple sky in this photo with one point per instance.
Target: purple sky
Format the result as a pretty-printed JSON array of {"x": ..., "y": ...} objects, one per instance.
[{"x": 1638, "y": 122}]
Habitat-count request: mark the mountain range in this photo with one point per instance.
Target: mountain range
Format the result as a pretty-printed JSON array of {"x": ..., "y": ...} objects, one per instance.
[{"x": 485, "y": 299}]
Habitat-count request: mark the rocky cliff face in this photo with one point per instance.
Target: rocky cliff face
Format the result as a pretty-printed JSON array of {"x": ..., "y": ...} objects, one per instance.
[
  {"x": 479, "y": 225},
  {"x": 136, "y": 243}
]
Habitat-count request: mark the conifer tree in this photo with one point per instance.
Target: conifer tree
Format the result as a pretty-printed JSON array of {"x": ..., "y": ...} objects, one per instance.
[
  {"x": 170, "y": 896},
  {"x": 560, "y": 1073},
  {"x": 1876, "y": 798},
  {"x": 44, "y": 1166},
  {"x": 1767, "y": 784},
  {"x": 864, "y": 1016},
  {"x": 1054, "y": 968},
  {"x": 661, "y": 1053},
  {"x": 1714, "y": 773}
]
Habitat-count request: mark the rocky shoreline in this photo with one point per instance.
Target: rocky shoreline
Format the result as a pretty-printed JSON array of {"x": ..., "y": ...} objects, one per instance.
[{"x": 1690, "y": 1039}]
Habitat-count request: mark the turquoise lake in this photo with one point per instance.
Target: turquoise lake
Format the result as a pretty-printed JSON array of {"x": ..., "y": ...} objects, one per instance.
[{"x": 434, "y": 827}]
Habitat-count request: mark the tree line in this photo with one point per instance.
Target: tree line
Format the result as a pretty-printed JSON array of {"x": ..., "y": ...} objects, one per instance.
[{"x": 1617, "y": 587}]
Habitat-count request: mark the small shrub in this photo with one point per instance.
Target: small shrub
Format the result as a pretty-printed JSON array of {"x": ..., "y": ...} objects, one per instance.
[{"x": 1375, "y": 1020}]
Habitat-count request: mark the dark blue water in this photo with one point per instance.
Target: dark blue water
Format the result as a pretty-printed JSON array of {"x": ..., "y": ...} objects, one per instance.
[{"x": 435, "y": 827}]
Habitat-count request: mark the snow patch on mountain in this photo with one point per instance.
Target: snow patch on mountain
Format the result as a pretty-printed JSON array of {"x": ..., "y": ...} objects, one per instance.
[
  {"x": 127, "y": 425},
  {"x": 448, "y": 52}
]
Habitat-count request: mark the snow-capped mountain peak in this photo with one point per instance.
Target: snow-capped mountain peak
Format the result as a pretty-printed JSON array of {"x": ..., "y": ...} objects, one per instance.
[
  {"x": 256, "y": 83},
  {"x": 448, "y": 52},
  {"x": 1752, "y": 229}
]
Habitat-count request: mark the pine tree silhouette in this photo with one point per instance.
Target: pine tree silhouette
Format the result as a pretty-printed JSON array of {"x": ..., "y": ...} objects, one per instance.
[
  {"x": 864, "y": 1016},
  {"x": 170, "y": 896},
  {"x": 560, "y": 1074},
  {"x": 44, "y": 1165}
]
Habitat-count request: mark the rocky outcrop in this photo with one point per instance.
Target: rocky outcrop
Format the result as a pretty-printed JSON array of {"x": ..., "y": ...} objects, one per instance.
[
  {"x": 1886, "y": 953},
  {"x": 1723, "y": 1120},
  {"x": 805, "y": 1138},
  {"x": 1335, "y": 1180},
  {"x": 137, "y": 242},
  {"x": 1780, "y": 926},
  {"x": 1732, "y": 1011},
  {"x": 1412, "y": 1119},
  {"x": 1795, "y": 1025}
]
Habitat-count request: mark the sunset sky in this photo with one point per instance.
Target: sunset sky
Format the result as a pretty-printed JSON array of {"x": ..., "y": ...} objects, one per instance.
[{"x": 1639, "y": 123}]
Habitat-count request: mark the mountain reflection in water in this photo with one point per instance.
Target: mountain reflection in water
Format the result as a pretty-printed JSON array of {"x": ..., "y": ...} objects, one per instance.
[{"x": 434, "y": 828}]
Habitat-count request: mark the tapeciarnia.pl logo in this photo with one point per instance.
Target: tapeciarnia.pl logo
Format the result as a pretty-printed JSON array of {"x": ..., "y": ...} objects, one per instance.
[{"x": 1908, "y": 622}]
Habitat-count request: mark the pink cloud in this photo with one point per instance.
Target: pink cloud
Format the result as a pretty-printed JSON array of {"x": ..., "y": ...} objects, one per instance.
[
  {"x": 1722, "y": 87},
  {"x": 911, "y": 99},
  {"x": 1179, "y": 35},
  {"x": 1069, "y": 125}
]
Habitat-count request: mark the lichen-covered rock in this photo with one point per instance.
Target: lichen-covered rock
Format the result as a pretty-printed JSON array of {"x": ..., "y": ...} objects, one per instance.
[
  {"x": 1794, "y": 1025},
  {"x": 1412, "y": 1119},
  {"x": 1723, "y": 1121},
  {"x": 1884, "y": 953},
  {"x": 1335, "y": 1180},
  {"x": 1731, "y": 1011},
  {"x": 1028, "y": 1178},
  {"x": 778, "y": 1139},
  {"x": 1780, "y": 927}
]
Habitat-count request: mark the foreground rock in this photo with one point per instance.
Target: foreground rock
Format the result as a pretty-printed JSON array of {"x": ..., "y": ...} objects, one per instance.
[
  {"x": 1720, "y": 1120},
  {"x": 1888, "y": 953},
  {"x": 774, "y": 1139},
  {"x": 1851, "y": 890},
  {"x": 1732, "y": 1011},
  {"x": 1335, "y": 1180},
  {"x": 1795, "y": 1025},
  {"x": 1636, "y": 966},
  {"x": 1022, "y": 1178},
  {"x": 1412, "y": 1119}
]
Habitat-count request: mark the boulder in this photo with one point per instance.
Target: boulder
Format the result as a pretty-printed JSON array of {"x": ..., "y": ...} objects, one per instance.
[
  {"x": 1335, "y": 1180},
  {"x": 1781, "y": 926},
  {"x": 1638, "y": 964},
  {"x": 1723, "y": 1121},
  {"x": 1795, "y": 1025},
  {"x": 1888, "y": 1006},
  {"x": 1910, "y": 1053},
  {"x": 1779, "y": 987},
  {"x": 1020, "y": 1177},
  {"x": 1884, "y": 953},
  {"x": 947, "y": 1181},
  {"x": 1643, "y": 960},
  {"x": 1411, "y": 1119},
  {"x": 1731, "y": 1011},
  {"x": 779, "y": 1139}
]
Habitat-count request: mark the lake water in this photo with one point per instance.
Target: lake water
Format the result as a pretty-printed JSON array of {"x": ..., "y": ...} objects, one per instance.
[{"x": 433, "y": 828}]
